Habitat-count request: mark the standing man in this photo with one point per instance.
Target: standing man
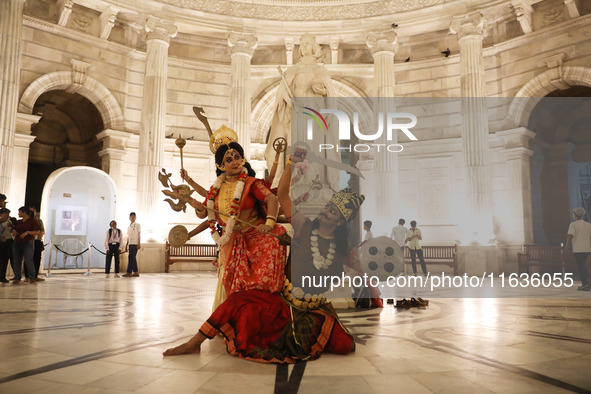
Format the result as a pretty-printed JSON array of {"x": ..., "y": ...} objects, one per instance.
[
  {"x": 400, "y": 234},
  {"x": 23, "y": 233},
  {"x": 39, "y": 248},
  {"x": 6, "y": 224},
  {"x": 112, "y": 245},
  {"x": 367, "y": 227},
  {"x": 579, "y": 238},
  {"x": 414, "y": 245},
  {"x": 133, "y": 245}
]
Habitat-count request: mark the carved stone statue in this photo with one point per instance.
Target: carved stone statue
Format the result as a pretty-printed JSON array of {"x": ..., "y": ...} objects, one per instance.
[{"x": 306, "y": 78}]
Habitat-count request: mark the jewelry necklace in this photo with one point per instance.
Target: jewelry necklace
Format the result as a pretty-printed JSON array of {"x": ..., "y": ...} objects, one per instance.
[
  {"x": 234, "y": 207},
  {"x": 319, "y": 261}
]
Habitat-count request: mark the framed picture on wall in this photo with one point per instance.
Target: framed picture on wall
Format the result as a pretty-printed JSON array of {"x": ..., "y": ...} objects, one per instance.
[{"x": 70, "y": 220}]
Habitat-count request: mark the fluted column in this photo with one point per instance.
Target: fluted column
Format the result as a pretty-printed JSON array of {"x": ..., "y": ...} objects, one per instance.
[
  {"x": 478, "y": 219},
  {"x": 242, "y": 47},
  {"x": 11, "y": 27},
  {"x": 383, "y": 46},
  {"x": 153, "y": 120}
]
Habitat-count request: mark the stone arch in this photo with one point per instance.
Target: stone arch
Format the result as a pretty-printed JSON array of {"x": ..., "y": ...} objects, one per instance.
[
  {"x": 263, "y": 110},
  {"x": 89, "y": 87},
  {"x": 532, "y": 92}
]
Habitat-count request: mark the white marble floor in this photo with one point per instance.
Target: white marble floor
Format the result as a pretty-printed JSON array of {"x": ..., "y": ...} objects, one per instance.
[{"x": 75, "y": 334}]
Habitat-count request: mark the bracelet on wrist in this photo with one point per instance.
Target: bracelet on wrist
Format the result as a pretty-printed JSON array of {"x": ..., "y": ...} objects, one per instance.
[{"x": 270, "y": 223}]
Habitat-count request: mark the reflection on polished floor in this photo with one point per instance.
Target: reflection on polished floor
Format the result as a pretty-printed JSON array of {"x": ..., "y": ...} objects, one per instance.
[{"x": 73, "y": 334}]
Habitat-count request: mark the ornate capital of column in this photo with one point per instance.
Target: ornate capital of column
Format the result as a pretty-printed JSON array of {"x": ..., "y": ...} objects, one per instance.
[
  {"x": 242, "y": 44},
  {"x": 468, "y": 25},
  {"x": 159, "y": 29},
  {"x": 383, "y": 41}
]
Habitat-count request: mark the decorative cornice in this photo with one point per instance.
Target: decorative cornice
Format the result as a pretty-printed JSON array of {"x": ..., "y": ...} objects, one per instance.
[
  {"x": 77, "y": 35},
  {"x": 304, "y": 11},
  {"x": 547, "y": 31}
]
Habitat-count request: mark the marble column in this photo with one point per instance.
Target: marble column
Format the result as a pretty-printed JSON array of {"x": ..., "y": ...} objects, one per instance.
[
  {"x": 477, "y": 222},
  {"x": 516, "y": 222},
  {"x": 153, "y": 119},
  {"x": 112, "y": 154},
  {"x": 11, "y": 27},
  {"x": 242, "y": 47},
  {"x": 20, "y": 157},
  {"x": 383, "y": 46}
]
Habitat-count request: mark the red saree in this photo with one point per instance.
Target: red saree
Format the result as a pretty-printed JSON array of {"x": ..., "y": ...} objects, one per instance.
[
  {"x": 263, "y": 327},
  {"x": 252, "y": 260}
]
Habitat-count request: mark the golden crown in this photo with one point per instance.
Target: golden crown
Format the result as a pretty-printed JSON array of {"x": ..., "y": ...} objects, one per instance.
[
  {"x": 348, "y": 202},
  {"x": 222, "y": 136}
]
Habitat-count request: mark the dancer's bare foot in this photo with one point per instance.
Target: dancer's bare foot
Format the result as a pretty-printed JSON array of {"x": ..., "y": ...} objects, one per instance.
[{"x": 185, "y": 348}]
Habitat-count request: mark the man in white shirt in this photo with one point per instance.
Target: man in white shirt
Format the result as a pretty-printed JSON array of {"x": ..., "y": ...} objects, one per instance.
[
  {"x": 400, "y": 234},
  {"x": 579, "y": 237},
  {"x": 367, "y": 227},
  {"x": 112, "y": 245},
  {"x": 133, "y": 245}
]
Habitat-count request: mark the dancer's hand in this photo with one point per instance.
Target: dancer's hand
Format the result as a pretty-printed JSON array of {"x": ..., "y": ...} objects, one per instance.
[
  {"x": 196, "y": 204},
  {"x": 298, "y": 156},
  {"x": 264, "y": 229},
  {"x": 184, "y": 174}
]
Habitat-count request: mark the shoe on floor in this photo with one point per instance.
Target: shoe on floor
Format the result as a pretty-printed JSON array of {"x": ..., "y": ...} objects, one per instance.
[
  {"x": 116, "y": 275},
  {"x": 584, "y": 287},
  {"x": 32, "y": 281},
  {"x": 16, "y": 281},
  {"x": 107, "y": 276},
  {"x": 136, "y": 274},
  {"x": 4, "y": 281},
  {"x": 38, "y": 279},
  {"x": 126, "y": 275}
]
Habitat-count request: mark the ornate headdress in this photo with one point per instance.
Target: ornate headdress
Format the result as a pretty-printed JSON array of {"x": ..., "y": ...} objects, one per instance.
[
  {"x": 222, "y": 136},
  {"x": 348, "y": 202}
]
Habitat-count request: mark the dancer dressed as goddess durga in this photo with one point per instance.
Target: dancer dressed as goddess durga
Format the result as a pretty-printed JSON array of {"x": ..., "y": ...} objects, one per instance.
[
  {"x": 250, "y": 257},
  {"x": 267, "y": 326}
]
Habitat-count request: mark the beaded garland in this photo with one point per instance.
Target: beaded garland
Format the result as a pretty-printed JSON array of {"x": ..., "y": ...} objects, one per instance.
[
  {"x": 234, "y": 207},
  {"x": 319, "y": 261}
]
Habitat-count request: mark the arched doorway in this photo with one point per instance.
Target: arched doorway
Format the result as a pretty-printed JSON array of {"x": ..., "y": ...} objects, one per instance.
[
  {"x": 77, "y": 205},
  {"x": 65, "y": 136},
  {"x": 561, "y": 164}
]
